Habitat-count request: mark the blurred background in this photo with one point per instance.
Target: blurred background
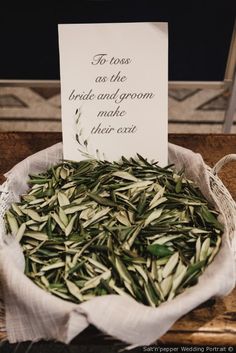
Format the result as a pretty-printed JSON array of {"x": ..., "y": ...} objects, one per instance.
[{"x": 202, "y": 57}]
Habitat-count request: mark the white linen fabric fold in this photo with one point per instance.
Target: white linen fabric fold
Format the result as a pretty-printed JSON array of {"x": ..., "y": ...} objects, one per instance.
[{"x": 33, "y": 314}]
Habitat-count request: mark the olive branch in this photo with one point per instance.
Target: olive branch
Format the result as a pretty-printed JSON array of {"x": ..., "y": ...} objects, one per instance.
[
  {"x": 79, "y": 135},
  {"x": 81, "y": 140}
]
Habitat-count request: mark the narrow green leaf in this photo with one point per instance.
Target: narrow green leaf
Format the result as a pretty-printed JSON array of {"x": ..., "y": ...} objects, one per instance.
[
  {"x": 62, "y": 199},
  {"x": 97, "y": 216},
  {"x": 32, "y": 214},
  {"x": 204, "y": 249},
  {"x": 125, "y": 175},
  {"x": 124, "y": 274},
  {"x": 169, "y": 267},
  {"x": 20, "y": 232},
  {"x": 153, "y": 216},
  {"x": 70, "y": 225},
  {"x": 53, "y": 266},
  {"x": 159, "y": 250},
  {"x": 36, "y": 235},
  {"x": 63, "y": 217},
  {"x": 12, "y": 222},
  {"x": 74, "y": 290}
]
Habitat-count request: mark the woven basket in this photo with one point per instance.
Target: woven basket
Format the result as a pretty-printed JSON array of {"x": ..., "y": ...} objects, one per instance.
[{"x": 219, "y": 190}]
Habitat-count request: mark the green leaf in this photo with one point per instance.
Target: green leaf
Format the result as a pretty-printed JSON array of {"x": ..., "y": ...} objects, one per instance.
[
  {"x": 195, "y": 267},
  {"x": 102, "y": 200},
  {"x": 204, "y": 249},
  {"x": 74, "y": 290},
  {"x": 123, "y": 218},
  {"x": 62, "y": 199},
  {"x": 72, "y": 209},
  {"x": 12, "y": 222},
  {"x": 32, "y": 214},
  {"x": 210, "y": 218},
  {"x": 20, "y": 232},
  {"x": 53, "y": 266},
  {"x": 70, "y": 225},
  {"x": 153, "y": 216},
  {"x": 36, "y": 235},
  {"x": 171, "y": 264},
  {"x": 123, "y": 272},
  {"x": 125, "y": 175},
  {"x": 159, "y": 250},
  {"x": 63, "y": 217},
  {"x": 178, "y": 186},
  {"x": 94, "y": 282},
  {"x": 166, "y": 285},
  {"x": 97, "y": 216},
  {"x": 16, "y": 208}
]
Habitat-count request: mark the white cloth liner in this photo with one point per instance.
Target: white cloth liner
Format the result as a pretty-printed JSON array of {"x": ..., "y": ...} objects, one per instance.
[{"x": 33, "y": 314}]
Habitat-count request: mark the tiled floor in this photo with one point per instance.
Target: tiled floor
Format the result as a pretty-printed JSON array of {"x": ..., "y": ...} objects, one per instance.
[{"x": 38, "y": 109}]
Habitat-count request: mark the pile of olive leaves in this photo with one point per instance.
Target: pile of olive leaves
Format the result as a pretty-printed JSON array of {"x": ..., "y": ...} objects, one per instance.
[{"x": 133, "y": 228}]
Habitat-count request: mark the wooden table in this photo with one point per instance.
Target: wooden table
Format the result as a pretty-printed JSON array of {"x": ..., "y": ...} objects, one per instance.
[{"x": 214, "y": 322}]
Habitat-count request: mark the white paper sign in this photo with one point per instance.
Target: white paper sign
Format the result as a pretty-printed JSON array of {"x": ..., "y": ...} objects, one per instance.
[{"x": 114, "y": 90}]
